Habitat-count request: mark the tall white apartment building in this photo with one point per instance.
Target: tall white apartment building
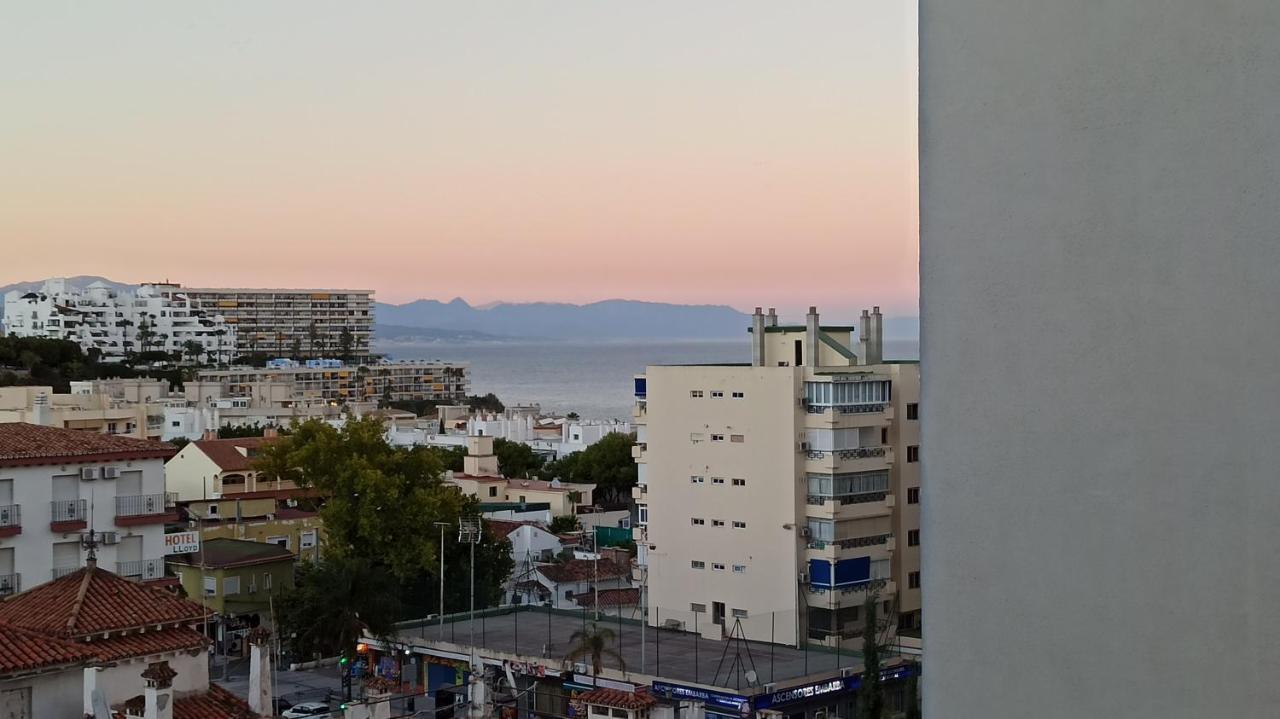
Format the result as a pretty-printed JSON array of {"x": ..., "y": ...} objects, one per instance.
[
  {"x": 282, "y": 322},
  {"x": 58, "y": 484},
  {"x": 770, "y": 494},
  {"x": 115, "y": 323}
]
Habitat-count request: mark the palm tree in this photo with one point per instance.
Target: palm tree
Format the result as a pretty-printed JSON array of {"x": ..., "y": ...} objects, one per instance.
[{"x": 594, "y": 643}]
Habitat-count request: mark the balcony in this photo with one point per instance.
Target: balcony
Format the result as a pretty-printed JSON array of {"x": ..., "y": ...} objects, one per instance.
[
  {"x": 60, "y": 572},
  {"x": 10, "y": 584},
  {"x": 141, "y": 569},
  {"x": 68, "y": 515},
  {"x": 135, "y": 509},
  {"x": 855, "y": 459},
  {"x": 877, "y": 547},
  {"x": 852, "y": 506},
  {"x": 848, "y": 416},
  {"x": 10, "y": 520}
]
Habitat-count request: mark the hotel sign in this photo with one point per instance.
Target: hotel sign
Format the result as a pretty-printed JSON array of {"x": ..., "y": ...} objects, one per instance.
[{"x": 181, "y": 543}]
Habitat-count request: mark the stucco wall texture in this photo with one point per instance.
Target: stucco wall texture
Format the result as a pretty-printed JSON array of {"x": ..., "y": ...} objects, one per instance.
[{"x": 1100, "y": 280}]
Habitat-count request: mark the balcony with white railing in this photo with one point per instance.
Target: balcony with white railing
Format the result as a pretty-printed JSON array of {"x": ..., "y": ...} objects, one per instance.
[
  {"x": 141, "y": 569},
  {"x": 134, "y": 509},
  {"x": 10, "y": 520},
  {"x": 60, "y": 572},
  {"x": 10, "y": 584},
  {"x": 68, "y": 515}
]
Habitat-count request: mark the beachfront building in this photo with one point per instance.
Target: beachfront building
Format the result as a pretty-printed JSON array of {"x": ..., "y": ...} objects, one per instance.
[
  {"x": 115, "y": 323},
  {"x": 771, "y": 494},
  {"x": 57, "y": 485},
  {"x": 306, "y": 322},
  {"x": 331, "y": 380}
]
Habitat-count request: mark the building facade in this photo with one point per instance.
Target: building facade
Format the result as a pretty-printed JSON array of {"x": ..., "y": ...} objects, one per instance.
[
  {"x": 116, "y": 323},
  {"x": 768, "y": 493},
  {"x": 330, "y": 380},
  {"x": 310, "y": 323},
  {"x": 1098, "y": 283},
  {"x": 214, "y": 468},
  {"x": 57, "y": 485},
  {"x": 83, "y": 411}
]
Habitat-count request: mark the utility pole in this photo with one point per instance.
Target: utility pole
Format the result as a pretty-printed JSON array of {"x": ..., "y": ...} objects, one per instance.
[
  {"x": 469, "y": 531},
  {"x": 441, "y": 525}
]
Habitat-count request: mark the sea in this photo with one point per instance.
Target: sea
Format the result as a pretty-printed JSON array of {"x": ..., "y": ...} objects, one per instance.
[{"x": 593, "y": 379}]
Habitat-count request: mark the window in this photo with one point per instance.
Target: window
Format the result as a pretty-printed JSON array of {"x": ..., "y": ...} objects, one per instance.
[
  {"x": 568, "y": 594},
  {"x": 913, "y": 453},
  {"x": 739, "y": 569},
  {"x": 642, "y": 510},
  {"x": 913, "y": 580},
  {"x": 266, "y": 581},
  {"x": 597, "y": 711},
  {"x": 695, "y": 393},
  {"x": 697, "y": 564},
  {"x": 212, "y": 511},
  {"x": 821, "y": 530},
  {"x": 493, "y": 491},
  {"x": 913, "y": 495},
  {"x": 913, "y": 410},
  {"x": 210, "y": 586},
  {"x": 697, "y": 479},
  {"x": 231, "y": 585},
  {"x": 913, "y": 538},
  {"x": 698, "y": 522},
  {"x": 717, "y": 567},
  {"x": 279, "y": 541},
  {"x": 253, "y": 584},
  {"x": 884, "y": 435},
  {"x": 739, "y": 614},
  {"x": 737, "y": 438},
  {"x": 619, "y": 713},
  {"x": 308, "y": 539},
  {"x": 739, "y": 482},
  {"x": 717, "y": 522},
  {"x": 715, "y": 393},
  {"x": 176, "y": 423},
  {"x": 717, "y": 480},
  {"x": 738, "y": 395},
  {"x": 739, "y": 525},
  {"x": 698, "y": 608},
  {"x": 717, "y": 438}
]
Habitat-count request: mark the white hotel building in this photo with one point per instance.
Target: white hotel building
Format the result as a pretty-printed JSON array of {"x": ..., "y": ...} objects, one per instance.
[
  {"x": 58, "y": 484},
  {"x": 776, "y": 494}
]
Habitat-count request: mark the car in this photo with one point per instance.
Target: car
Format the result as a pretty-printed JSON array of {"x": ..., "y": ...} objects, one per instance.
[{"x": 306, "y": 710}]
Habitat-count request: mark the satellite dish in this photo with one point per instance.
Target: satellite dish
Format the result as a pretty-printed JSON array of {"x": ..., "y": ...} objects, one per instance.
[{"x": 751, "y": 676}]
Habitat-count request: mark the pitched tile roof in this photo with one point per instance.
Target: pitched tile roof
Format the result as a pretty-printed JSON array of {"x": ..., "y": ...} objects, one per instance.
[
  {"x": 226, "y": 452},
  {"x": 141, "y": 644},
  {"x": 23, "y": 650},
  {"x": 606, "y": 697},
  {"x": 24, "y": 444},
  {"x": 583, "y": 570},
  {"x": 91, "y": 601},
  {"x": 217, "y": 703},
  {"x": 223, "y": 552},
  {"x": 503, "y": 527},
  {"x": 609, "y": 598}
]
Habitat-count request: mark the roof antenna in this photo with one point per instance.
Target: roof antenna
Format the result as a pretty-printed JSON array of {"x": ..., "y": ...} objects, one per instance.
[{"x": 90, "y": 542}]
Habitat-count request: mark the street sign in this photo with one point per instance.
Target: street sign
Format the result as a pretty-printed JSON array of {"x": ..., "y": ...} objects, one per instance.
[{"x": 181, "y": 543}]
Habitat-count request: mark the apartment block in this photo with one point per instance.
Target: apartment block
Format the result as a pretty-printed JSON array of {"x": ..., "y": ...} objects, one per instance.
[
  {"x": 56, "y": 485},
  {"x": 334, "y": 381},
  {"x": 307, "y": 322},
  {"x": 115, "y": 323},
  {"x": 771, "y": 494}
]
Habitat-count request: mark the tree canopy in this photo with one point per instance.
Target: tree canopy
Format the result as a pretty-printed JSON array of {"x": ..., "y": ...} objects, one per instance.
[
  {"x": 608, "y": 464},
  {"x": 516, "y": 459},
  {"x": 334, "y": 601}
]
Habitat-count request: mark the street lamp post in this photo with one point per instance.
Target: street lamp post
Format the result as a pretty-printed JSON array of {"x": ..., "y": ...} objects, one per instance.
[
  {"x": 441, "y": 525},
  {"x": 469, "y": 532}
]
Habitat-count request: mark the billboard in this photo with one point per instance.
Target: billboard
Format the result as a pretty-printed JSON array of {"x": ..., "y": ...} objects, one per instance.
[{"x": 181, "y": 543}]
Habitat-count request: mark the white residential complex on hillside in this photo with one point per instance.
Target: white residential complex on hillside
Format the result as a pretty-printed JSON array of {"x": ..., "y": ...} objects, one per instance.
[
  {"x": 780, "y": 493},
  {"x": 115, "y": 323}
]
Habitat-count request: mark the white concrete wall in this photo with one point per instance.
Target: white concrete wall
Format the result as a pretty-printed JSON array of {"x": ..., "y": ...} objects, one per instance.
[
  {"x": 52, "y": 695},
  {"x": 1099, "y": 215}
]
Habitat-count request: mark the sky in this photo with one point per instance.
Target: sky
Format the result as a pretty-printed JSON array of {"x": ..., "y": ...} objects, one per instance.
[{"x": 735, "y": 152}]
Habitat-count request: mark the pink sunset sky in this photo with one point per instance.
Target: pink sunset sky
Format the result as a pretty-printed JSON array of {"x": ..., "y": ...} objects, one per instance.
[{"x": 724, "y": 152}]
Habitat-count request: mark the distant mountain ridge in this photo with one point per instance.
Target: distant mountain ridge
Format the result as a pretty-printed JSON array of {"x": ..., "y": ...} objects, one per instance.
[
  {"x": 79, "y": 282},
  {"x": 608, "y": 319}
]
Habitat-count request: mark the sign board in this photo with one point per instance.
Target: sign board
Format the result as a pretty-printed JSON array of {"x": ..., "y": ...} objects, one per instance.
[
  {"x": 181, "y": 543},
  {"x": 734, "y": 702}
]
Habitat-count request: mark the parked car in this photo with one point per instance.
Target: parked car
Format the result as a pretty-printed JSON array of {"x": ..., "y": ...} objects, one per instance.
[{"x": 306, "y": 710}]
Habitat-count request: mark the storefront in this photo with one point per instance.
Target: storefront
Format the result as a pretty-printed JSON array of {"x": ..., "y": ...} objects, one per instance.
[
  {"x": 834, "y": 697},
  {"x": 714, "y": 704}
]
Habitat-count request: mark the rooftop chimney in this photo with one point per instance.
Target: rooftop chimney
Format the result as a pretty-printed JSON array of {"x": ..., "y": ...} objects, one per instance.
[
  {"x": 772, "y": 319},
  {"x": 872, "y": 341},
  {"x": 260, "y": 672},
  {"x": 757, "y": 338},
  {"x": 40, "y": 410},
  {"x": 811, "y": 337},
  {"x": 158, "y": 695}
]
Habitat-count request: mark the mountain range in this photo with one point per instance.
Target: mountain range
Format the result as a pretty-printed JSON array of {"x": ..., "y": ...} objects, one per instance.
[{"x": 79, "y": 282}]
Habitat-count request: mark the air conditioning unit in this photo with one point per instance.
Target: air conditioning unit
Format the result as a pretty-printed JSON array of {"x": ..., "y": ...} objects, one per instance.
[
  {"x": 804, "y": 531},
  {"x": 110, "y": 472},
  {"x": 108, "y": 538},
  {"x": 89, "y": 473},
  {"x": 846, "y": 671}
]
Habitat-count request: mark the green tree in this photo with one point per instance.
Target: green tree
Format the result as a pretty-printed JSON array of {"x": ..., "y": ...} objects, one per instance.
[
  {"x": 564, "y": 523},
  {"x": 516, "y": 459},
  {"x": 193, "y": 350},
  {"x": 179, "y": 442},
  {"x": 486, "y": 403},
  {"x": 145, "y": 336},
  {"x": 346, "y": 341},
  {"x": 450, "y": 458},
  {"x": 334, "y": 602},
  {"x": 871, "y": 693},
  {"x": 608, "y": 464},
  {"x": 295, "y": 350},
  {"x": 313, "y": 337},
  {"x": 594, "y": 644}
]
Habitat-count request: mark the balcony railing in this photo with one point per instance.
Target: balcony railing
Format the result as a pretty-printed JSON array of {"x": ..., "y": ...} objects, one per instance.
[
  {"x": 69, "y": 510},
  {"x": 141, "y": 505},
  {"x": 141, "y": 569},
  {"x": 10, "y": 584},
  {"x": 60, "y": 572},
  {"x": 10, "y": 516},
  {"x": 855, "y": 453}
]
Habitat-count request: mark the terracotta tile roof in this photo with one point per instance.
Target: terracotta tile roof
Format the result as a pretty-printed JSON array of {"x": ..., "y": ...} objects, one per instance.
[
  {"x": 223, "y": 552},
  {"x": 286, "y": 493},
  {"x": 22, "y": 650},
  {"x": 141, "y": 644},
  {"x": 217, "y": 703},
  {"x": 605, "y": 697},
  {"x": 92, "y": 601},
  {"x": 503, "y": 527},
  {"x": 582, "y": 570},
  {"x": 226, "y": 452},
  {"x": 610, "y": 598},
  {"x": 30, "y": 444}
]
